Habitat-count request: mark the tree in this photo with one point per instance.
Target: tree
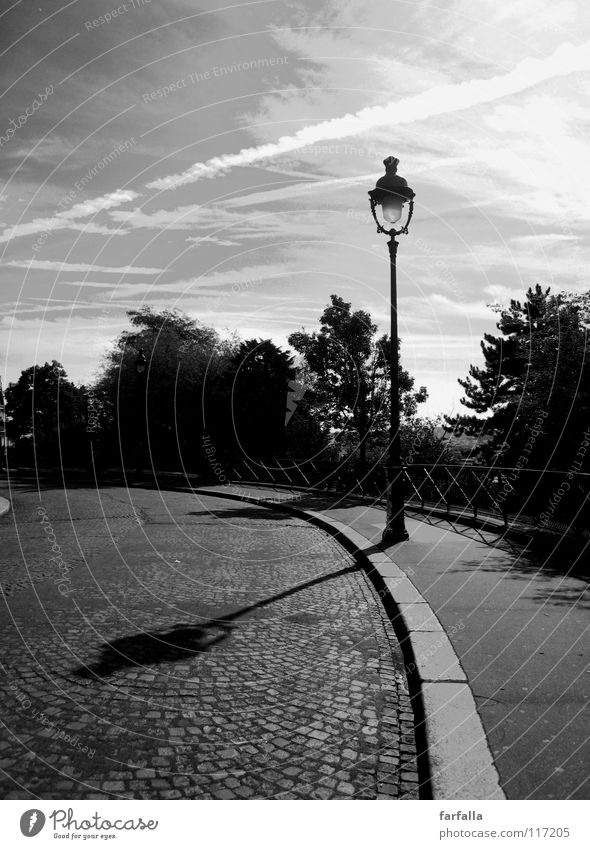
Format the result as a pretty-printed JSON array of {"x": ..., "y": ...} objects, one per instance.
[
  {"x": 425, "y": 442},
  {"x": 258, "y": 378},
  {"x": 46, "y": 415},
  {"x": 534, "y": 387},
  {"x": 305, "y": 437},
  {"x": 164, "y": 410},
  {"x": 347, "y": 367}
]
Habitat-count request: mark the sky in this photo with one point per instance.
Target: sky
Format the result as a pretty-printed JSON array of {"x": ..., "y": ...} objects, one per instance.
[{"x": 215, "y": 158}]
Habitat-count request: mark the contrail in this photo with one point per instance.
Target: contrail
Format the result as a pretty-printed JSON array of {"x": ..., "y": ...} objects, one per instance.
[
  {"x": 69, "y": 217},
  {"x": 440, "y": 100}
]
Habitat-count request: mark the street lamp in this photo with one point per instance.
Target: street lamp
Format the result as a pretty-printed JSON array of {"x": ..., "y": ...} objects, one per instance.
[{"x": 391, "y": 193}]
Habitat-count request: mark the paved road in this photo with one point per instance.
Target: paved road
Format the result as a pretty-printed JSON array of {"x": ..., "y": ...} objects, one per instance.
[
  {"x": 519, "y": 623},
  {"x": 163, "y": 645}
]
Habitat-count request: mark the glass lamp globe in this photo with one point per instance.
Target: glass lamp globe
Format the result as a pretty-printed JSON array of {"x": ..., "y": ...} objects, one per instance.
[{"x": 392, "y": 208}]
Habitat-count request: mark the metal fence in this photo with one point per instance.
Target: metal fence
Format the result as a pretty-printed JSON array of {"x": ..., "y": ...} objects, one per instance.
[{"x": 556, "y": 500}]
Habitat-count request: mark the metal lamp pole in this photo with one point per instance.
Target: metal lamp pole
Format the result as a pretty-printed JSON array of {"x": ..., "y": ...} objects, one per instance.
[
  {"x": 391, "y": 193},
  {"x": 140, "y": 366},
  {"x": 395, "y": 529}
]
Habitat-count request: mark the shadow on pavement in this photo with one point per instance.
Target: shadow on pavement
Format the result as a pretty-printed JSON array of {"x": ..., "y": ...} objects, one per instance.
[
  {"x": 270, "y": 513},
  {"x": 151, "y": 647},
  {"x": 183, "y": 641},
  {"x": 545, "y": 553},
  {"x": 561, "y": 559}
]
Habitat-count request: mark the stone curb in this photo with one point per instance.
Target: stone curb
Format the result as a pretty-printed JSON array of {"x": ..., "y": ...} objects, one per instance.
[
  {"x": 4, "y": 506},
  {"x": 460, "y": 762}
]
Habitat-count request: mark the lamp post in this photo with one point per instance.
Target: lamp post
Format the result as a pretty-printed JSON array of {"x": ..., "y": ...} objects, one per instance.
[
  {"x": 391, "y": 192},
  {"x": 140, "y": 366}
]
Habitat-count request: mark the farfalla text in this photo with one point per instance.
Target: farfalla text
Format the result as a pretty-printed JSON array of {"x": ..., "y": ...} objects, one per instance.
[{"x": 460, "y": 815}]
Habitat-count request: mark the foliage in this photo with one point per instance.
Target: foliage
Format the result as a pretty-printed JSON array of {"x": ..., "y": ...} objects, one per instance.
[
  {"x": 195, "y": 386},
  {"x": 305, "y": 437},
  {"x": 534, "y": 386},
  {"x": 347, "y": 367},
  {"x": 257, "y": 379},
  {"x": 425, "y": 442},
  {"x": 160, "y": 412},
  {"x": 46, "y": 414}
]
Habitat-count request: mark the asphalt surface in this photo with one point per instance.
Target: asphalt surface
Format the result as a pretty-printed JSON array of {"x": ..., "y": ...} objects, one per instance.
[{"x": 163, "y": 645}]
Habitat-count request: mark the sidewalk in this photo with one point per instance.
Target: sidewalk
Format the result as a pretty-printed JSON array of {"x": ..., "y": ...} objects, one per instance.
[{"x": 517, "y": 625}]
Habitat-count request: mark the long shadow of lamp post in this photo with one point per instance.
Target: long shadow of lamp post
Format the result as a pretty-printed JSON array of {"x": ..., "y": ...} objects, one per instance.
[
  {"x": 391, "y": 192},
  {"x": 140, "y": 369}
]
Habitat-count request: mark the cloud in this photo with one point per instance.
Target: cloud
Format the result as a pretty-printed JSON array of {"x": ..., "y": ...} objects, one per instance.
[
  {"x": 211, "y": 240},
  {"x": 67, "y": 219},
  {"x": 181, "y": 218},
  {"x": 218, "y": 287},
  {"x": 297, "y": 190},
  {"x": 99, "y": 204},
  {"x": 438, "y": 100},
  {"x": 542, "y": 239},
  {"x": 75, "y": 343},
  {"x": 231, "y": 227},
  {"x": 471, "y": 310},
  {"x": 90, "y": 284},
  {"x": 49, "y": 265}
]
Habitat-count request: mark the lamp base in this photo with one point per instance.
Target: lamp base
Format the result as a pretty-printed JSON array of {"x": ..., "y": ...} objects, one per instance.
[{"x": 391, "y": 536}]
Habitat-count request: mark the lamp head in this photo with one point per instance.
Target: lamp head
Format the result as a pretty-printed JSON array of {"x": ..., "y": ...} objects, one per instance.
[{"x": 391, "y": 192}]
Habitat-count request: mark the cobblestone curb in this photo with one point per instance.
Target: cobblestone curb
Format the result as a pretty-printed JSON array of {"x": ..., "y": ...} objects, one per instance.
[
  {"x": 4, "y": 506},
  {"x": 460, "y": 763}
]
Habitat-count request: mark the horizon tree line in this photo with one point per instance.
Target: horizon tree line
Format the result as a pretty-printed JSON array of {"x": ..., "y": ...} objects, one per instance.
[{"x": 196, "y": 383}]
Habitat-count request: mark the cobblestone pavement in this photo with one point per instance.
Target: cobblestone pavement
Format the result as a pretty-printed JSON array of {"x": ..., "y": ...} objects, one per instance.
[{"x": 192, "y": 647}]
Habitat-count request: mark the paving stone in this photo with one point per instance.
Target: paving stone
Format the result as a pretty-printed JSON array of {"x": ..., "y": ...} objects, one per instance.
[
  {"x": 244, "y": 792},
  {"x": 319, "y": 735},
  {"x": 294, "y": 770},
  {"x": 114, "y": 785},
  {"x": 321, "y": 793},
  {"x": 224, "y": 794},
  {"x": 345, "y": 788},
  {"x": 228, "y": 753},
  {"x": 145, "y": 773}
]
